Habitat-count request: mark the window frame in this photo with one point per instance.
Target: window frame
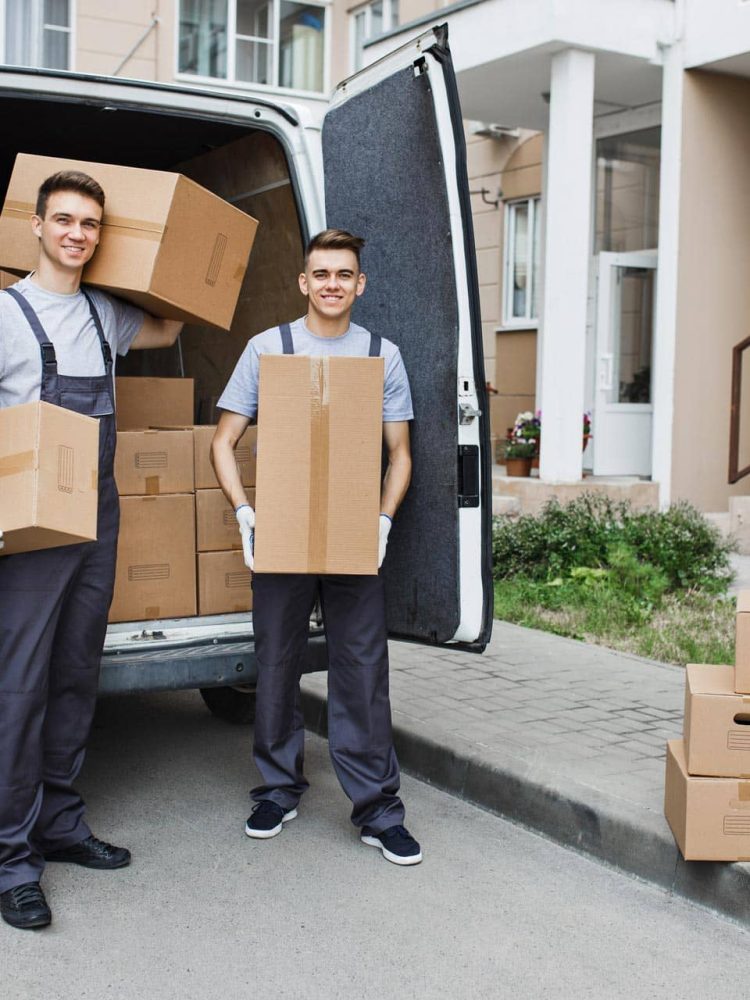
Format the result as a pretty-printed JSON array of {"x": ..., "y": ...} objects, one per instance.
[
  {"x": 267, "y": 88},
  {"x": 366, "y": 9},
  {"x": 534, "y": 207},
  {"x": 38, "y": 28}
]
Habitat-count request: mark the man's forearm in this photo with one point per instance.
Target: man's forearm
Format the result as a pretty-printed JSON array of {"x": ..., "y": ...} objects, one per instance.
[
  {"x": 227, "y": 473},
  {"x": 395, "y": 484}
]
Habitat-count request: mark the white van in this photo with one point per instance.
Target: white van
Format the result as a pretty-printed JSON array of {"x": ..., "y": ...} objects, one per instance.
[{"x": 389, "y": 164}]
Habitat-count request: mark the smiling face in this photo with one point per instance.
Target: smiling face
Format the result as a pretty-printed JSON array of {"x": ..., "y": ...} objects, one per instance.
[
  {"x": 332, "y": 281},
  {"x": 69, "y": 232}
]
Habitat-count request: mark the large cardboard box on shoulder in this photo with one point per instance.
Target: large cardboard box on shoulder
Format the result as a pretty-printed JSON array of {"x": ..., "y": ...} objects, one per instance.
[
  {"x": 223, "y": 583},
  {"x": 153, "y": 462},
  {"x": 244, "y": 454},
  {"x": 709, "y": 817},
  {"x": 154, "y": 402},
  {"x": 167, "y": 244},
  {"x": 49, "y": 465},
  {"x": 319, "y": 464},
  {"x": 717, "y": 723},
  {"x": 155, "y": 558}
]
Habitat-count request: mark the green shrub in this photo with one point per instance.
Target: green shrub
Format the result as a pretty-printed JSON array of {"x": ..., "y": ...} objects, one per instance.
[{"x": 678, "y": 547}]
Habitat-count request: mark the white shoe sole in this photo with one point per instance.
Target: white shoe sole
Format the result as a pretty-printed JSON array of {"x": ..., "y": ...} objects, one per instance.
[
  {"x": 395, "y": 859},
  {"x": 266, "y": 834}
]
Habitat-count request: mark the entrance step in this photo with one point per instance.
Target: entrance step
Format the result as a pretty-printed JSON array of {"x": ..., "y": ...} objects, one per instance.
[
  {"x": 532, "y": 494},
  {"x": 505, "y": 505},
  {"x": 720, "y": 520},
  {"x": 739, "y": 522}
]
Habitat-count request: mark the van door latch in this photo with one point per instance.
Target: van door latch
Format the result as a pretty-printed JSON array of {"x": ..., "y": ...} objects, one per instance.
[
  {"x": 467, "y": 413},
  {"x": 468, "y": 475}
]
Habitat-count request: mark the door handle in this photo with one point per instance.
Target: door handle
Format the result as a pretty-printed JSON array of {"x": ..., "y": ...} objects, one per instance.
[{"x": 605, "y": 371}]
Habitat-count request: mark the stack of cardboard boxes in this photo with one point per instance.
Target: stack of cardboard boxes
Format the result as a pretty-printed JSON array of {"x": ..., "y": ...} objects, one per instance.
[
  {"x": 223, "y": 578},
  {"x": 707, "y": 798},
  {"x": 179, "y": 551}
]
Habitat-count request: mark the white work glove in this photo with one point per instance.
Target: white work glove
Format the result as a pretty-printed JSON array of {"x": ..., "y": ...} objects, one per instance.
[
  {"x": 246, "y": 520},
  {"x": 385, "y": 530}
]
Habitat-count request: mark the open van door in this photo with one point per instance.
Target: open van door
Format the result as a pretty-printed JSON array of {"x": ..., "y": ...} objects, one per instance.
[{"x": 394, "y": 162}]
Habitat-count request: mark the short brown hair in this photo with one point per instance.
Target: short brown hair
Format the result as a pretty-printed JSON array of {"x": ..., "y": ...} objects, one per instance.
[
  {"x": 335, "y": 239},
  {"x": 68, "y": 180}
]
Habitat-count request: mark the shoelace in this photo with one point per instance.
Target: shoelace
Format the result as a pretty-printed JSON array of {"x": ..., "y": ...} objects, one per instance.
[
  {"x": 266, "y": 806},
  {"x": 25, "y": 895}
]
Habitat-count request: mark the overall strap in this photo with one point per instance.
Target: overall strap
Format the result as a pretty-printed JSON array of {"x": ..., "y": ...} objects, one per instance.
[
  {"x": 49, "y": 358},
  {"x": 287, "y": 344},
  {"x": 375, "y": 342},
  {"x": 106, "y": 349}
]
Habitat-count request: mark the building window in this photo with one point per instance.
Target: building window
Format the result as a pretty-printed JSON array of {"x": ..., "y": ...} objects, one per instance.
[
  {"x": 522, "y": 259},
  {"x": 369, "y": 21},
  {"x": 37, "y": 33},
  {"x": 277, "y": 43},
  {"x": 627, "y": 191}
]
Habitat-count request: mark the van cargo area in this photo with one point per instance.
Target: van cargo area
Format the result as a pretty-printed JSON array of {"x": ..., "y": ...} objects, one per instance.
[{"x": 248, "y": 168}]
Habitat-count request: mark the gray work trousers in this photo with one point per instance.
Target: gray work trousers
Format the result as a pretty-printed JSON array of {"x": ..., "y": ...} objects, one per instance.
[{"x": 359, "y": 712}]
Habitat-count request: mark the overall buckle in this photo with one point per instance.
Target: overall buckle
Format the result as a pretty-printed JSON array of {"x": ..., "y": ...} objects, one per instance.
[{"x": 48, "y": 355}]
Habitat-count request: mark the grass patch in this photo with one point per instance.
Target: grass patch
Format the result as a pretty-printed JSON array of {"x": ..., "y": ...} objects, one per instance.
[
  {"x": 653, "y": 584},
  {"x": 691, "y": 627}
]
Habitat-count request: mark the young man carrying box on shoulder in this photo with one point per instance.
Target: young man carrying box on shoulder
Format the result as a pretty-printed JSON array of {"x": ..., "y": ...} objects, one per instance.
[
  {"x": 359, "y": 734},
  {"x": 57, "y": 342}
]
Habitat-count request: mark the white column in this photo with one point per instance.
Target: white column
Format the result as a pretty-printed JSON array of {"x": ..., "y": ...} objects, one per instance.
[
  {"x": 566, "y": 262},
  {"x": 665, "y": 325}
]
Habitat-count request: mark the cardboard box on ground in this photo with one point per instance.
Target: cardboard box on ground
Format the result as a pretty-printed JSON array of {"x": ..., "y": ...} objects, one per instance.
[
  {"x": 319, "y": 464},
  {"x": 49, "y": 463},
  {"x": 167, "y": 244},
  {"x": 707, "y": 788}
]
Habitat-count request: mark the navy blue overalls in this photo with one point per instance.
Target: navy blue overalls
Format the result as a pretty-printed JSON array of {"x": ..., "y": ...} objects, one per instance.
[
  {"x": 360, "y": 740},
  {"x": 53, "y": 619}
]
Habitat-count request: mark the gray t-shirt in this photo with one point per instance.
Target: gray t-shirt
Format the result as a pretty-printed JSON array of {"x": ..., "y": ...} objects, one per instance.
[
  {"x": 241, "y": 392},
  {"x": 67, "y": 321}
]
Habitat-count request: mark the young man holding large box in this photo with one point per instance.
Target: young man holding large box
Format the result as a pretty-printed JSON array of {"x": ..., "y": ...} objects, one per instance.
[
  {"x": 57, "y": 343},
  {"x": 359, "y": 713}
]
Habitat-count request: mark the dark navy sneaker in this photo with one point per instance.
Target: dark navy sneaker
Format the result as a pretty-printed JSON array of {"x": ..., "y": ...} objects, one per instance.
[
  {"x": 267, "y": 819},
  {"x": 396, "y": 843},
  {"x": 25, "y": 907}
]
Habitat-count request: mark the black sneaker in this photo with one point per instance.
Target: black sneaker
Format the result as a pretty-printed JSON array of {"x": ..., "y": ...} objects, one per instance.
[
  {"x": 267, "y": 819},
  {"x": 396, "y": 843},
  {"x": 25, "y": 907},
  {"x": 92, "y": 853}
]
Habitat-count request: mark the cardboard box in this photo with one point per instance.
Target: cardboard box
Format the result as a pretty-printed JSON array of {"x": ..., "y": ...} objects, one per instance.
[
  {"x": 319, "y": 464},
  {"x": 154, "y": 402},
  {"x": 717, "y": 723},
  {"x": 148, "y": 463},
  {"x": 223, "y": 583},
  {"x": 167, "y": 244},
  {"x": 709, "y": 817},
  {"x": 155, "y": 559},
  {"x": 216, "y": 524},
  {"x": 49, "y": 466},
  {"x": 244, "y": 454},
  {"x": 742, "y": 648}
]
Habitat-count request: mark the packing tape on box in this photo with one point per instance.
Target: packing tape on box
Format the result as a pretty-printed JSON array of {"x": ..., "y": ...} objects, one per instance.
[
  {"x": 317, "y": 532},
  {"x": 22, "y": 461},
  {"x": 140, "y": 228},
  {"x": 152, "y": 486},
  {"x": 743, "y": 791}
]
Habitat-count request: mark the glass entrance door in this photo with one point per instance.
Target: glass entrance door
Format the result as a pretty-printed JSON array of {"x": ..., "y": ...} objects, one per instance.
[{"x": 624, "y": 348}]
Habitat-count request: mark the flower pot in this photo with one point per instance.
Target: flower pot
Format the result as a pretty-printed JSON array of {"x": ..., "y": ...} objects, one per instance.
[{"x": 517, "y": 466}]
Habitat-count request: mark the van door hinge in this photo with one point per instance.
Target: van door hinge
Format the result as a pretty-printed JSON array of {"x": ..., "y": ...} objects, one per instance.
[{"x": 468, "y": 475}]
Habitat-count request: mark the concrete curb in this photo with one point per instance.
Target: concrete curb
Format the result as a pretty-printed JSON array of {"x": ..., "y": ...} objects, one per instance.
[{"x": 604, "y": 827}]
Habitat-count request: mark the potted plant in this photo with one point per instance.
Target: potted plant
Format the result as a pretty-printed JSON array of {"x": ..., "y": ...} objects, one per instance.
[
  {"x": 528, "y": 428},
  {"x": 518, "y": 456}
]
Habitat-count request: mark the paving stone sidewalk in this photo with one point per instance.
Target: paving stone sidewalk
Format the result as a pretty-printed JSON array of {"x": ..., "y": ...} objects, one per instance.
[{"x": 564, "y": 737}]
